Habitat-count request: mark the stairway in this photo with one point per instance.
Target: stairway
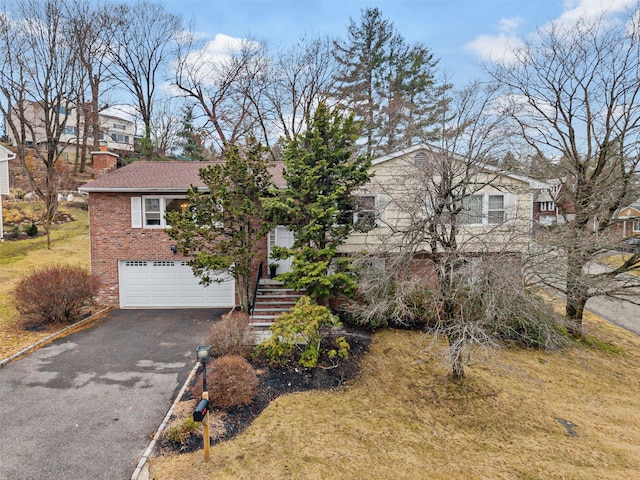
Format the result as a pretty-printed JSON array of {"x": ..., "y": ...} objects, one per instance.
[{"x": 272, "y": 299}]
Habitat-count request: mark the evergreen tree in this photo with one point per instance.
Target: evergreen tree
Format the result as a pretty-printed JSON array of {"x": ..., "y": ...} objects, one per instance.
[
  {"x": 323, "y": 170},
  {"x": 192, "y": 144},
  {"x": 386, "y": 82},
  {"x": 222, "y": 227}
]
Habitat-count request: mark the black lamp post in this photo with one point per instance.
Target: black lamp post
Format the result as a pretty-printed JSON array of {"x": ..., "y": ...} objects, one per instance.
[
  {"x": 201, "y": 413},
  {"x": 203, "y": 355}
]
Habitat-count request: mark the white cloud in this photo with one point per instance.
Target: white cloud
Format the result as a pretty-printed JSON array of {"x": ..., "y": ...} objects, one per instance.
[
  {"x": 206, "y": 64},
  {"x": 585, "y": 9},
  {"x": 494, "y": 47},
  {"x": 500, "y": 46}
]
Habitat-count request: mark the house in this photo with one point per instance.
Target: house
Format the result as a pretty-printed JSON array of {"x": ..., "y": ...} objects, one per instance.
[
  {"x": 138, "y": 262},
  {"x": 116, "y": 133},
  {"x": 629, "y": 220},
  {"x": 500, "y": 211},
  {"x": 5, "y": 156}
]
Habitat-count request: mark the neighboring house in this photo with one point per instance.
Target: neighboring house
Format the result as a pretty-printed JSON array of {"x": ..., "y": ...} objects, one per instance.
[
  {"x": 5, "y": 156},
  {"x": 138, "y": 264},
  {"x": 115, "y": 132},
  {"x": 629, "y": 220},
  {"x": 545, "y": 210},
  {"x": 131, "y": 253}
]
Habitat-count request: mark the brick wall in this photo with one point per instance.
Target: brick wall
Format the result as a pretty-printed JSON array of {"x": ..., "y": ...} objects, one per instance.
[
  {"x": 103, "y": 162},
  {"x": 112, "y": 239}
]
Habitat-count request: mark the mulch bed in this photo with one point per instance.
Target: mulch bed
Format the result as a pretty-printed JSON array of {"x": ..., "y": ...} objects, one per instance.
[{"x": 273, "y": 382}]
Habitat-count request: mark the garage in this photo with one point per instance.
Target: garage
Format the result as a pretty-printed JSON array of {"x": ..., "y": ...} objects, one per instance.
[{"x": 170, "y": 283}]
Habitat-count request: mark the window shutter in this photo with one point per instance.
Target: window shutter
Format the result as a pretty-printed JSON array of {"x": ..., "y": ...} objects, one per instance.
[
  {"x": 510, "y": 209},
  {"x": 381, "y": 208},
  {"x": 136, "y": 212}
]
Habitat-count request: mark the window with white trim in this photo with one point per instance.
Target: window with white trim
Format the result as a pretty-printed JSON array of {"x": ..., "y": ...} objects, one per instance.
[
  {"x": 636, "y": 224},
  {"x": 154, "y": 210},
  {"x": 364, "y": 216},
  {"x": 547, "y": 207},
  {"x": 368, "y": 212},
  {"x": 496, "y": 213},
  {"x": 119, "y": 126},
  {"x": 486, "y": 209},
  {"x": 119, "y": 138}
]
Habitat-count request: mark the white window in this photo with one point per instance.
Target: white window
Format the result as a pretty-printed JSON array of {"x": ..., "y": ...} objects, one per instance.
[
  {"x": 70, "y": 130},
  {"x": 547, "y": 207},
  {"x": 495, "y": 215},
  {"x": 487, "y": 209},
  {"x": 471, "y": 213},
  {"x": 119, "y": 126},
  {"x": 364, "y": 217},
  {"x": 369, "y": 212},
  {"x": 119, "y": 138},
  {"x": 636, "y": 224},
  {"x": 154, "y": 210}
]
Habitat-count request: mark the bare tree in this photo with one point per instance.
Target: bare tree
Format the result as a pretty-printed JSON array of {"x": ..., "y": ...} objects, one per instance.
[
  {"x": 225, "y": 80},
  {"x": 38, "y": 80},
  {"x": 88, "y": 26},
  {"x": 574, "y": 96},
  {"x": 300, "y": 79},
  {"x": 141, "y": 43},
  {"x": 165, "y": 127},
  {"x": 467, "y": 220}
]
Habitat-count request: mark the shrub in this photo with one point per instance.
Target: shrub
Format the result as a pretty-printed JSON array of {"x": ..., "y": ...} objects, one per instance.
[
  {"x": 300, "y": 330},
  {"x": 231, "y": 382},
  {"x": 54, "y": 294},
  {"x": 31, "y": 230},
  {"x": 179, "y": 432},
  {"x": 232, "y": 335},
  {"x": 399, "y": 297}
]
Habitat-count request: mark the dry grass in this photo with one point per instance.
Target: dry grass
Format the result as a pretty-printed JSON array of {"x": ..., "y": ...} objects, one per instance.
[
  {"x": 617, "y": 260},
  {"x": 403, "y": 419},
  {"x": 69, "y": 246}
]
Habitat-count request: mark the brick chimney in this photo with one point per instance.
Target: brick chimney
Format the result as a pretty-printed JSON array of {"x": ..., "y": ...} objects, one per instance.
[{"x": 103, "y": 162}]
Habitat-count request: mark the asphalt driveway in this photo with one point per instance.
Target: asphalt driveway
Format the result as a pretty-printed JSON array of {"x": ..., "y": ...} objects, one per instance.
[{"x": 86, "y": 406}]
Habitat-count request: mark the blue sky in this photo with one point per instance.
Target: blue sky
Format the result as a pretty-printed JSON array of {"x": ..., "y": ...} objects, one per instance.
[{"x": 459, "y": 32}]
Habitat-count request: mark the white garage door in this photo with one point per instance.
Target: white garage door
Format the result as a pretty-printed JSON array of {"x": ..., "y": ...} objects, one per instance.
[{"x": 170, "y": 283}]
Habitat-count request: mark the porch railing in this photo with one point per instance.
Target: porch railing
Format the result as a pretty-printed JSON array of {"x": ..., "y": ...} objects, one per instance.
[{"x": 255, "y": 288}]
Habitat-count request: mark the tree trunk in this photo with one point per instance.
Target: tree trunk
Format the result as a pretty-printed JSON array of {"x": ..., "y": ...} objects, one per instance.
[
  {"x": 456, "y": 356},
  {"x": 576, "y": 300},
  {"x": 577, "y": 293}
]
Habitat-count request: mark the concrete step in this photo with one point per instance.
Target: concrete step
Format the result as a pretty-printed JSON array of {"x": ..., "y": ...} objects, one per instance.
[
  {"x": 277, "y": 292},
  {"x": 276, "y": 301},
  {"x": 262, "y": 319}
]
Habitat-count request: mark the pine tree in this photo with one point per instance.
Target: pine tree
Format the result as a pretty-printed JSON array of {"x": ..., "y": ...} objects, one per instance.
[
  {"x": 323, "y": 170},
  {"x": 222, "y": 227},
  {"x": 192, "y": 143},
  {"x": 386, "y": 82}
]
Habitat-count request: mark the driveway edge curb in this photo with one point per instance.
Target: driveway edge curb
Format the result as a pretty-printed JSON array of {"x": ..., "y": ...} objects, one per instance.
[
  {"x": 49, "y": 338},
  {"x": 138, "y": 473}
]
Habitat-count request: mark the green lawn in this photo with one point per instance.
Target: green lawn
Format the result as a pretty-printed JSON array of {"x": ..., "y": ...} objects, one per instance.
[{"x": 69, "y": 245}]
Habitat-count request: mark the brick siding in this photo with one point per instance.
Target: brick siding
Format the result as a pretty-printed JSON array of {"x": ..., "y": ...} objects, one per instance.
[{"x": 113, "y": 239}]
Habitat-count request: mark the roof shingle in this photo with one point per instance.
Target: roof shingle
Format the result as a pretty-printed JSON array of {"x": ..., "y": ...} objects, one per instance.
[{"x": 173, "y": 176}]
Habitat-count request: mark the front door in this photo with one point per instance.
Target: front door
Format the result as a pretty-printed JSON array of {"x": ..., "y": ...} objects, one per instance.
[{"x": 282, "y": 237}]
